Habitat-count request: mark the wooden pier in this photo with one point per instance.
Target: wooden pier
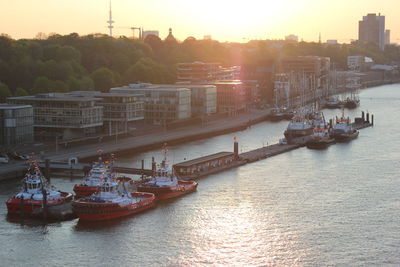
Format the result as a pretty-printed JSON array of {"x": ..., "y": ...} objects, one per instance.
[{"x": 266, "y": 152}]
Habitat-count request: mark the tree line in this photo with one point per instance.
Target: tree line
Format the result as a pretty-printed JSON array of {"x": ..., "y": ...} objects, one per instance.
[{"x": 63, "y": 63}]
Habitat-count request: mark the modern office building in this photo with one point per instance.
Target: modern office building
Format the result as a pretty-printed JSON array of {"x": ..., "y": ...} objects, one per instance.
[
  {"x": 359, "y": 63},
  {"x": 162, "y": 105},
  {"x": 203, "y": 73},
  {"x": 16, "y": 125},
  {"x": 63, "y": 116},
  {"x": 120, "y": 111},
  {"x": 263, "y": 73},
  {"x": 197, "y": 72},
  {"x": 231, "y": 97},
  {"x": 371, "y": 29},
  {"x": 332, "y": 42},
  {"x": 203, "y": 99}
]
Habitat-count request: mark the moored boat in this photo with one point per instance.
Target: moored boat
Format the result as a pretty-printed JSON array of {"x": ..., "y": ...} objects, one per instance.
[
  {"x": 333, "y": 102},
  {"x": 343, "y": 131},
  {"x": 320, "y": 139},
  {"x": 109, "y": 203},
  {"x": 100, "y": 171},
  {"x": 164, "y": 184},
  {"x": 351, "y": 103},
  {"x": 36, "y": 192},
  {"x": 282, "y": 113}
]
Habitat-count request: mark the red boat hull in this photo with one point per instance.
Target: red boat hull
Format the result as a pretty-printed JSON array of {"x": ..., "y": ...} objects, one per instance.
[
  {"x": 27, "y": 206},
  {"x": 84, "y": 190},
  {"x": 183, "y": 187},
  {"x": 92, "y": 211}
]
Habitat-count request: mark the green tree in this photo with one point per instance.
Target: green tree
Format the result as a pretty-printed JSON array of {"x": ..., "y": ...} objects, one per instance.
[
  {"x": 20, "y": 92},
  {"x": 4, "y": 92},
  {"x": 67, "y": 53},
  {"x": 60, "y": 86},
  {"x": 103, "y": 79},
  {"x": 86, "y": 84},
  {"x": 42, "y": 84}
]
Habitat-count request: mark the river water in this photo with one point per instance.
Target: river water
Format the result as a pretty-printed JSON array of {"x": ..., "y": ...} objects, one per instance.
[{"x": 339, "y": 206}]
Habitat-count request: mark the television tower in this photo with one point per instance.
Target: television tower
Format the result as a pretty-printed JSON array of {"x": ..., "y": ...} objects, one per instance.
[{"x": 110, "y": 21}]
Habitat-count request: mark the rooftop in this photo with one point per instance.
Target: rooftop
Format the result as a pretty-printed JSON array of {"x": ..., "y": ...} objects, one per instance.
[
  {"x": 203, "y": 159},
  {"x": 13, "y": 106},
  {"x": 55, "y": 97},
  {"x": 140, "y": 87}
]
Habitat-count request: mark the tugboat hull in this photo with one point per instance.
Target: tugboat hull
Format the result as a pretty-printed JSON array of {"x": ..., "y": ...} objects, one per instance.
[
  {"x": 102, "y": 211},
  {"x": 345, "y": 137},
  {"x": 320, "y": 144},
  {"x": 27, "y": 206},
  {"x": 161, "y": 193},
  {"x": 291, "y": 134}
]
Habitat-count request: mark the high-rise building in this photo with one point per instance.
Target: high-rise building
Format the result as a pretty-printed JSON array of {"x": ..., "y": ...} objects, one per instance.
[
  {"x": 372, "y": 30},
  {"x": 387, "y": 37}
]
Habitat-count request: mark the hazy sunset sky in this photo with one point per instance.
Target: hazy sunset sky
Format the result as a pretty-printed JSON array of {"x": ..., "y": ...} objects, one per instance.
[{"x": 224, "y": 20}]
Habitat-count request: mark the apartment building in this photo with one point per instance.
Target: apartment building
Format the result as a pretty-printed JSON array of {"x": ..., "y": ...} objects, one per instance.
[
  {"x": 63, "y": 116},
  {"x": 162, "y": 104},
  {"x": 16, "y": 125}
]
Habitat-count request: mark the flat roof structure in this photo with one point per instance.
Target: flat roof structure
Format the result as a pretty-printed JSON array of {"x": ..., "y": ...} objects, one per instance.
[
  {"x": 13, "y": 106},
  {"x": 55, "y": 97},
  {"x": 203, "y": 159}
]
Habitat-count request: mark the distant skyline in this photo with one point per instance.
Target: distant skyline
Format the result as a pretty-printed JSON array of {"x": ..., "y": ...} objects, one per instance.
[{"x": 224, "y": 20}]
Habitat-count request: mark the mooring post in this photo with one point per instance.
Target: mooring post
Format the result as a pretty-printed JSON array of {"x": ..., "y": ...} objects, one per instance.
[
  {"x": 142, "y": 168},
  {"x": 368, "y": 117},
  {"x": 363, "y": 115},
  {"x": 44, "y": 193},
  {"x": 153, "y": 164},
  {"x": 235, "y": 148},
  {"x": 47, "y": 169},
  {"x": 372, "y": 119}
]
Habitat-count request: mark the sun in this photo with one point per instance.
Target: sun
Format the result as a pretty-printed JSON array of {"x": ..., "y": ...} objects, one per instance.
[{"x": 241, "y": 18}]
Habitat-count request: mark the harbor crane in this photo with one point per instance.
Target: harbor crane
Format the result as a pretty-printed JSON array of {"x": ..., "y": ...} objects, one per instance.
[{"x": 133, "y": 31}]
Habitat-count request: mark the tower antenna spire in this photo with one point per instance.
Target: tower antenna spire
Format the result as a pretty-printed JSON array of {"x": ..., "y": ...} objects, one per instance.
[{"x": 110, "y": 21}]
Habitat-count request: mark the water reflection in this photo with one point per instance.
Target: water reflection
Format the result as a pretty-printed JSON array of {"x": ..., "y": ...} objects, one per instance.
[{"x": 335, "y": 207}]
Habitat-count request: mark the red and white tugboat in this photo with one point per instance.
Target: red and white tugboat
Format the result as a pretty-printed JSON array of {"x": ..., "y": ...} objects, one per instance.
[
  {"x": 35, "y": 192},
  {"x": 99, "y": 172},
  {"x": 109, "y": 203},
  {"x": 165, "y": 184}
]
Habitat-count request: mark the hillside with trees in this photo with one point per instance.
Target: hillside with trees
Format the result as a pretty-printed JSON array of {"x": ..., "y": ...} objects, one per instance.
[{"x": 98, "y": 62}]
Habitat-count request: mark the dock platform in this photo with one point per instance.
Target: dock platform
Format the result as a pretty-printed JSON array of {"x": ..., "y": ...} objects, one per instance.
[{"x": 267, "y": 151}]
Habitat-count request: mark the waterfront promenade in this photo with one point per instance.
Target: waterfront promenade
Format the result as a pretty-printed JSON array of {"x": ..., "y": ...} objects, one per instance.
[{"x": 140, "y": 142}]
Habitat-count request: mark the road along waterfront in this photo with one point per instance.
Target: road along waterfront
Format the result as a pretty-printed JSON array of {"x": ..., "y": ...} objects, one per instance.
[{"x": 338, "y": 206}]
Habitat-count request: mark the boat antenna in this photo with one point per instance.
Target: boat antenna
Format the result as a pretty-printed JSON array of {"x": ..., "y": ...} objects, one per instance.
[{"x": 165, "y": 149}]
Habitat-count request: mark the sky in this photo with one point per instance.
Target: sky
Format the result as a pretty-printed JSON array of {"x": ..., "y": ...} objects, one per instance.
[{"x": 224, "y": 20}]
